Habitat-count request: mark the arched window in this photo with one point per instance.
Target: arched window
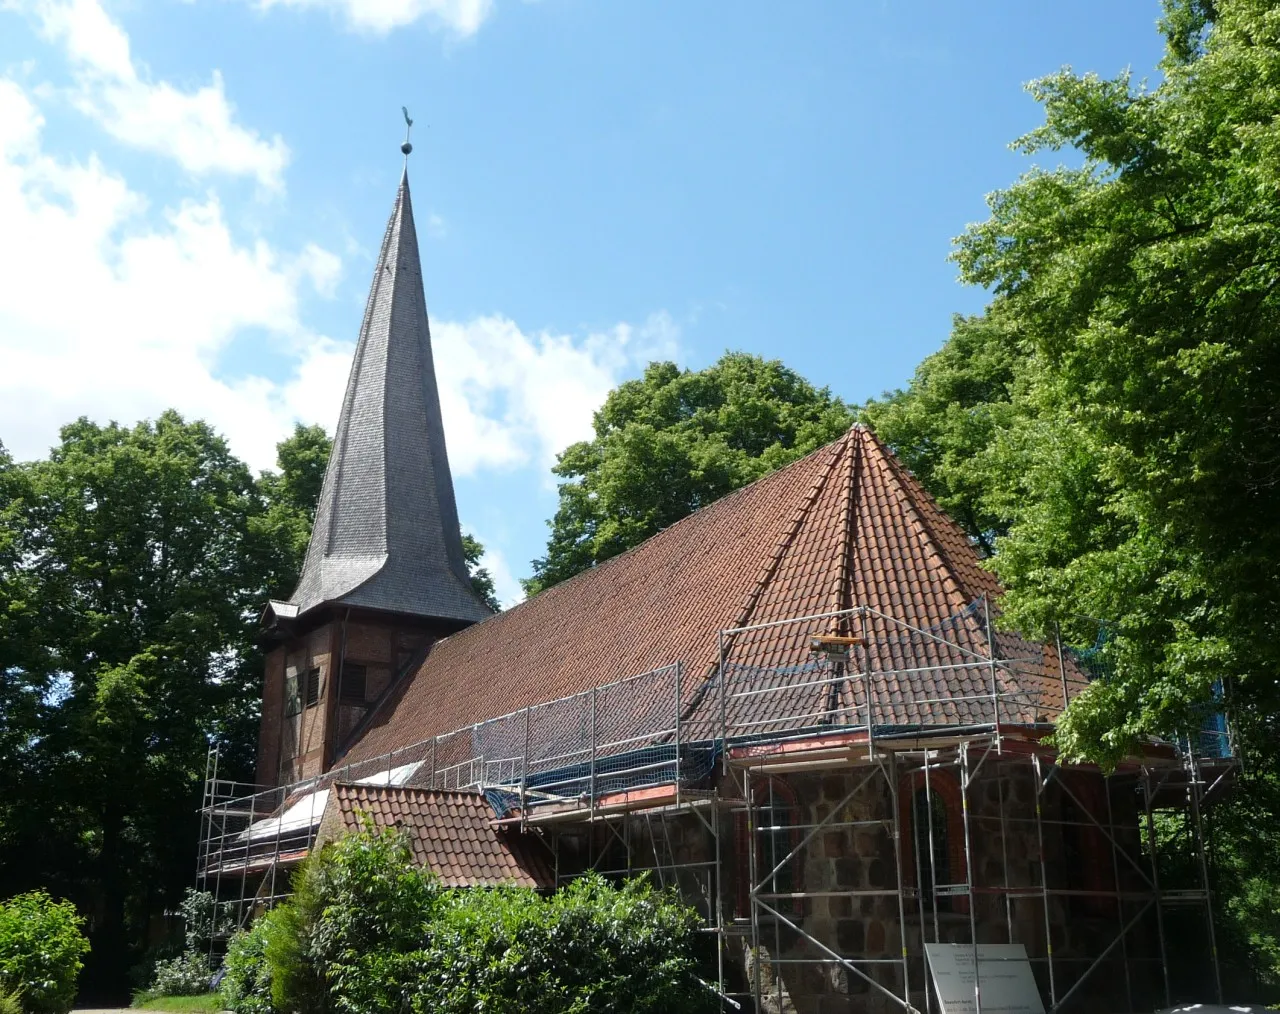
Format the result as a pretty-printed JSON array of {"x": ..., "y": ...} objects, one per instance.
[
  {"x": 775, "y": 840},
  {"x": 774, "y": 819},
  {"x": 933, "y": 806},
  {"x": 929, "y": 823}
]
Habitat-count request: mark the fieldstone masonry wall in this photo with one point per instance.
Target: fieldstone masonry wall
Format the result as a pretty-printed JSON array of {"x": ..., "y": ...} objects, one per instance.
[{"x": 846, "y": 879}]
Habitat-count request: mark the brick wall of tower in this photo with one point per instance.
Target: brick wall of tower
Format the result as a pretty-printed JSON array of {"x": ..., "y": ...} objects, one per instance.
[{"x": 301, "y": 745}]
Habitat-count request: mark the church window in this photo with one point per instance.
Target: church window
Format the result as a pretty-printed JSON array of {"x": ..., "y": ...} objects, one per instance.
[
  {"x": 775, "y": 836},
  {"x": 934, "y": 862},
  {"x": 292, "y": 697},
  {"x": 313, "y": 687},
  {"x": 354, "y": 680},
  {"x": 929, "y": 819}
]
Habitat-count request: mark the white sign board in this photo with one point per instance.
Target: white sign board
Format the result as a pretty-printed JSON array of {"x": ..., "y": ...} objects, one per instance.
[{"x": 1003, "y": 971}]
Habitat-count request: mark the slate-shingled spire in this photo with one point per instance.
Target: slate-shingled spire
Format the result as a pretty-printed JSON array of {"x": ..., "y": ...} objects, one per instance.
[{"x": 386, "y": 530}]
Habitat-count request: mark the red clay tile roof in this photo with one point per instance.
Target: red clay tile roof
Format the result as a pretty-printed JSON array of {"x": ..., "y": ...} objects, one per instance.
[
  {"x": 846, "y": 526},
  {"x": 452, "y": 834}
]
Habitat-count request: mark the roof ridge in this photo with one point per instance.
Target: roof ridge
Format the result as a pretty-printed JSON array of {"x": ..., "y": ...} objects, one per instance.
[
  {"x": 929, "y": 538},
  {"x": 784, "y": 541},
  {"x": 364, "y": 787},
  {"x": 842, "y": 583}
]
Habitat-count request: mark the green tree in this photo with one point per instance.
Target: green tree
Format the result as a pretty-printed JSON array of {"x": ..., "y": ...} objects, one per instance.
[
  {"x": 25, "y": 672},
  {"x": 133, "y": 565},
  {"x": 131, "y": 552},
  {"x": 1127, "y": 459},
  {"x": 1143, "y": 286},
  {"x": 481, "y": 579},
  {"x": 942, "y": 425},
  {"x": 674, "y": 441}
]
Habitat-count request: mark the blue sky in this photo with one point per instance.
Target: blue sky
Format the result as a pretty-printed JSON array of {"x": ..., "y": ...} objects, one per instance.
[{"x": 191, "y": 194}]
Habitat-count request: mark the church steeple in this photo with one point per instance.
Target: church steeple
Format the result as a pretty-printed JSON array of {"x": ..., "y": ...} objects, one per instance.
[
  {"x": 386, "y": 530},
  {"x": 384, "y": 576}
]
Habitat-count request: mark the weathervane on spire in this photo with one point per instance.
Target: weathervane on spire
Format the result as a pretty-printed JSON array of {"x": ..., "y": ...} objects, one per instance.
[{"x": 408, "y": 126}]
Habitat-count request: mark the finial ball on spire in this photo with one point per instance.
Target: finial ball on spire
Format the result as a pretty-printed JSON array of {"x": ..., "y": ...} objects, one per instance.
[{"x": 408, "y": 126}]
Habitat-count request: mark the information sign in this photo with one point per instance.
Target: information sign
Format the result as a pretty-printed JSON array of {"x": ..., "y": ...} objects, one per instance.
[{"x": 1003, "y": 970}]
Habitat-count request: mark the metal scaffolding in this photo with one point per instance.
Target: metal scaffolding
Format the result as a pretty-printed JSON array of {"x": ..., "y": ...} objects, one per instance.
[{"x": 693, "y": 786}]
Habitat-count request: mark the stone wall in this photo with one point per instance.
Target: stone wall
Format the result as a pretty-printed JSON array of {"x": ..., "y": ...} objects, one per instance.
[{"x": 845, "y": 879}]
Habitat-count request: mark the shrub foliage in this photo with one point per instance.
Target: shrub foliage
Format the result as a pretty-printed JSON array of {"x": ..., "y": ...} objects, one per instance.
[
  {"x": 186, "y": 975},
  {"x": 41, "y": 951},
  {"x": 246, "y": 980},
  {"x": 368, "y": 933}
]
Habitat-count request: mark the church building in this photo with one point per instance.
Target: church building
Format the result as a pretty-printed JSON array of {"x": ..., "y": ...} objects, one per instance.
[{"x": 797, "y": 708}]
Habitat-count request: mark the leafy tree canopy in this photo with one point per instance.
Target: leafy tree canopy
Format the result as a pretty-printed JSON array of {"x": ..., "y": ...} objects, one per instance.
[
  {"x": 134, "y": 564},
  {"x": 1141, "y": 479},
  {"x": 1109, "y": 426},
  {"x": 674, "y": 441},
  {"x": 133, "y": 578}
]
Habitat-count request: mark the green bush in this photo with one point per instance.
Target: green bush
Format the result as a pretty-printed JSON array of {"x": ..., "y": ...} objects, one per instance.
[
  {"x": 357, "y": 903},
  {"x": 41, "y": 951},
  {"x": 366, "y": 932},
  {"x": 246, "y": 982},
  {"x": 186, "y": 975},
  {"x": 10, "y": 1001},
  {"x": 592, "y": 947}
]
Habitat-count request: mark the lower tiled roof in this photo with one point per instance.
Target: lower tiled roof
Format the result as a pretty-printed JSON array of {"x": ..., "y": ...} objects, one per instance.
[{"x": 452, "y": 834}]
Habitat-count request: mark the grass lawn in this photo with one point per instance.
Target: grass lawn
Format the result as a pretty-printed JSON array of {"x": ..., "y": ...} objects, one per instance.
[{"x": 206, "y": 1003}]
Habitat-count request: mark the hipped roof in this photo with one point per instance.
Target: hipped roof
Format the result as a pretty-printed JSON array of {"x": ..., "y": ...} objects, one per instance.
[
  {"x": 844, "y": 527},
  {"x": 451, "y": 833}
]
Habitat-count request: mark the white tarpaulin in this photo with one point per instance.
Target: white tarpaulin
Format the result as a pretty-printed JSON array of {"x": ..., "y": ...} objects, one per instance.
[
  {"x": 301, "y": 816},
  {"x": 307, "y": 811},
  {"x": 392, "y": 776},
  {"x": 1002, "y": 970}
]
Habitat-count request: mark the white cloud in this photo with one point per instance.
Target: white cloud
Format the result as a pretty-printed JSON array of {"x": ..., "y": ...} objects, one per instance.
[
  {"x": 110, "y": 311},
  {"x": 462, "y": 17},
  {"x": 322, "y": 267},
  {"x": 505, "y": 584},
  {"x": 197, "y": 129},
  {"x": 511, "y": 399},
  {"x": 105, "y": 314}
]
